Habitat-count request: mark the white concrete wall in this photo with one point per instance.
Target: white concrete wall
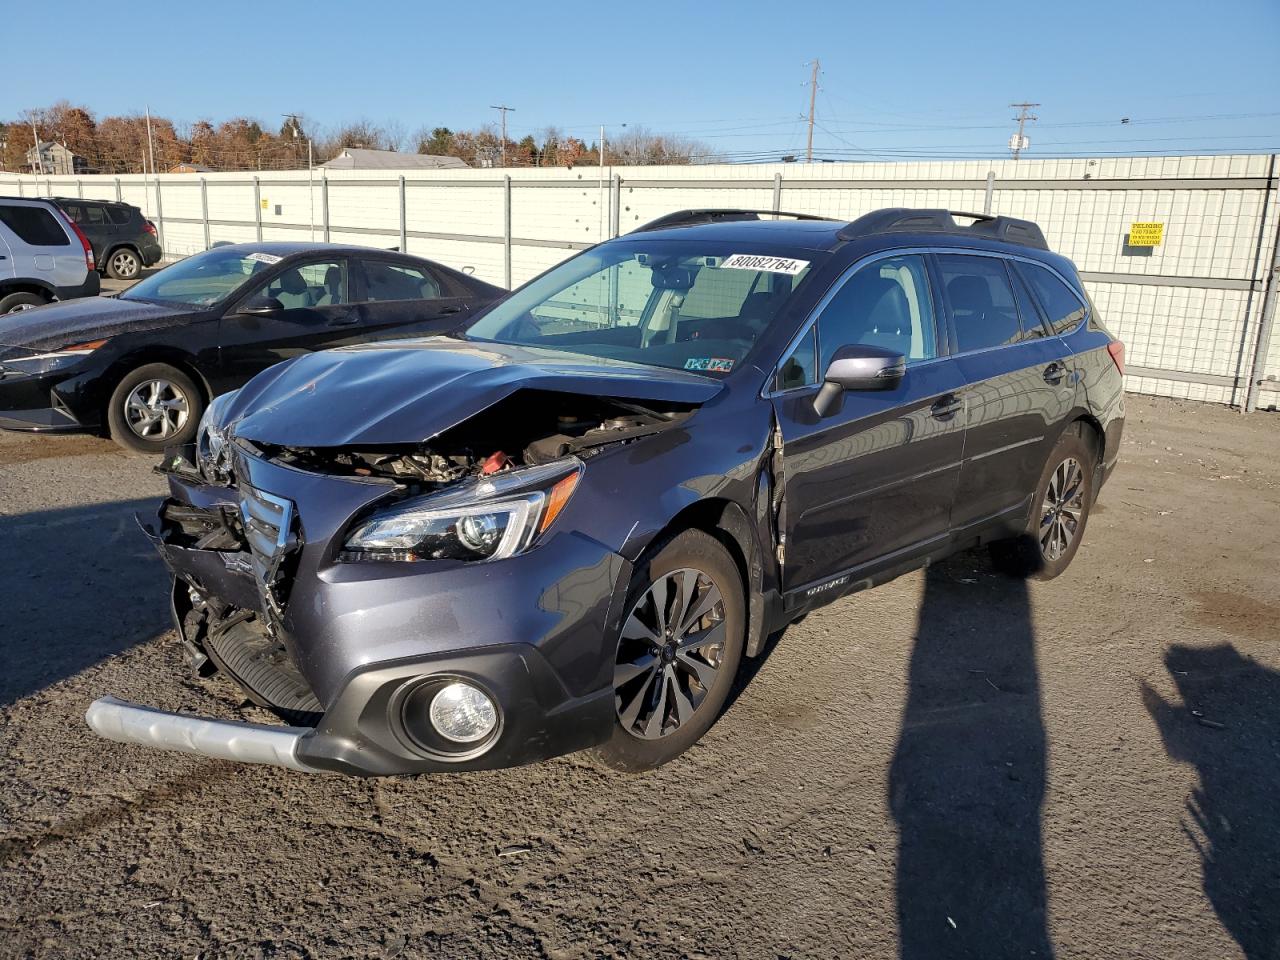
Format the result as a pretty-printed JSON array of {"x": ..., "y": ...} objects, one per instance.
[{"x": 1189, "y": 312}]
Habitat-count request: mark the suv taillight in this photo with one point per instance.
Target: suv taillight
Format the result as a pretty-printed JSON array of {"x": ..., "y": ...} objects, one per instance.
[
  {"x": 1116, "y": 349},
  {"x": 84, "y": 241},
  {"x": 148, "y": 227}
]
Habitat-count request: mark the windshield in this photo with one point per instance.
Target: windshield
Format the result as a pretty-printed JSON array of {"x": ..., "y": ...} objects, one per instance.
[
  {"x": 202, "y": 279},
  {"x": 682, "y": 305}
]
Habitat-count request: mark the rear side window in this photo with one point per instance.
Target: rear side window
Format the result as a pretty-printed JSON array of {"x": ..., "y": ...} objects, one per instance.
[
  {"x": 94, "y": 216},
  {"x": 120, "y": 215},
  {"x": 396, "y": 281},
  {"x": 981, "y": 302},
  {"x": 34, "y": 225},
  {"x": 1032, "y": 322},
  {"x": 1061, "y": 305}
]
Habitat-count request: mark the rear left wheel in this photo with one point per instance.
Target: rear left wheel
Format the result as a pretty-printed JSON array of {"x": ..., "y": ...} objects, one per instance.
[
  {"x": 123, "y": 264},
  {"x": 21, "y": 301},
  {"x": 1058, "y": 513},
  {"x": 678, "y": 653}
]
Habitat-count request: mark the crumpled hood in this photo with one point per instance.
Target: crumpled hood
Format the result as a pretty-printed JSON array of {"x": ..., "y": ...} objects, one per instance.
[
  {"x": 408, "y": 391},
  {"x": 75, "y": 321}
]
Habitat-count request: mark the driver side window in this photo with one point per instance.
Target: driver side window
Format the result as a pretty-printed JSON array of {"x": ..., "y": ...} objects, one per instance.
[
  {"x": 308, "y": 285},
  {"x": 885, "y": 304}
]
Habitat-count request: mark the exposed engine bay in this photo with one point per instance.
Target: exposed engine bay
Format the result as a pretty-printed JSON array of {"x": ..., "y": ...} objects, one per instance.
[{"x": 528, "y": 428}]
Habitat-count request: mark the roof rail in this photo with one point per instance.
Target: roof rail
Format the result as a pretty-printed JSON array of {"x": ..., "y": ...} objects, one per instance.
[
  {"x": 685, "y": 218},
  {"x": 907, "y": 220}
]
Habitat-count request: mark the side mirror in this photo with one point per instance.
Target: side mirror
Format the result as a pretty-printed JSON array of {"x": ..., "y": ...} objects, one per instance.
[
  {"x": 262, "y": 307},
  {"x": 858, "y": 367}
]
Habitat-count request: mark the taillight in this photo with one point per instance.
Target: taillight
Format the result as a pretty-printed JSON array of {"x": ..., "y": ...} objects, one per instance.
[
  {"x": 84, "y": 241},
  {"x": 148, "y": 227},
  {"x": 1116, "y": 349}
]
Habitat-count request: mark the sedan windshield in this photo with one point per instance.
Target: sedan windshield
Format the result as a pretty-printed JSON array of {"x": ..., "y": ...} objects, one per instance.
[
  {"x": 682, "y": 305},
  {"x": 202, "y": 279}
]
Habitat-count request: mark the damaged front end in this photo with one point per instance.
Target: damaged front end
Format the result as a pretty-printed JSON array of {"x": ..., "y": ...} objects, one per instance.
[{"x": 341, "y": 587}]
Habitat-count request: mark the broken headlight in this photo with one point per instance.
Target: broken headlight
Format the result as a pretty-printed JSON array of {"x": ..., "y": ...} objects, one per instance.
[
  {"x": 493, "y": 518},
  {"x": 212, "y": 453}
]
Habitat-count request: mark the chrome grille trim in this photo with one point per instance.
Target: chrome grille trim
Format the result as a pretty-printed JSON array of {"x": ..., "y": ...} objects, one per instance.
[{"x": 268, "y": 528}]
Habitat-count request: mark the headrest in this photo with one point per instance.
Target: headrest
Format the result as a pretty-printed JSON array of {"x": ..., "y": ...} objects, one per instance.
[
  {"x": 971, "y": 293},
  {"x": 291, "y": 282}
]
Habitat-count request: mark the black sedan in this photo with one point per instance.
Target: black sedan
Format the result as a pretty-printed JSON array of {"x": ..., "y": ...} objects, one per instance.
[{"x": 142, "y": 366}]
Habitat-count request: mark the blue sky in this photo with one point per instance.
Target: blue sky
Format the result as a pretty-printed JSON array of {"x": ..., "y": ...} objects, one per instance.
[{"x": 898, "y": 79}]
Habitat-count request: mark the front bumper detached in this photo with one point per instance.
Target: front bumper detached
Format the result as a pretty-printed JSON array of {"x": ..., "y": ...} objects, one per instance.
[
  {"x": 220, "y": 739},
  {"x": 532, "y": 634}
]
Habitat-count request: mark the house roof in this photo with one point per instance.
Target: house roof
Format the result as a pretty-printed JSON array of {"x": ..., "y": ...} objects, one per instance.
[{"x": 355, "y": 158}]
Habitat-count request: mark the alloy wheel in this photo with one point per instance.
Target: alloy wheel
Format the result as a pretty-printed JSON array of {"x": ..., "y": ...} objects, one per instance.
[
  {"x": 670, "y": 654},
  {"x": 124, "y": 265},
  {"x": 23, "y": 306},
  {"x": 1063, "y": 509},
  {"x": 156, "y": 409}
]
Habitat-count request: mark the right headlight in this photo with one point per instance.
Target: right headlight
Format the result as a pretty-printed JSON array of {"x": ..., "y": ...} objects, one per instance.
[
  {"x": 492, "y": 518},
  {"x": 212, "y": 454}
]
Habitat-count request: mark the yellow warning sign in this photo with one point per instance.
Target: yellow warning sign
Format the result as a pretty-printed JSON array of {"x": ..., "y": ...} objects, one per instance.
[
  {"x": 1146, "y": 234},
  {"x": 264, "y": 206}
]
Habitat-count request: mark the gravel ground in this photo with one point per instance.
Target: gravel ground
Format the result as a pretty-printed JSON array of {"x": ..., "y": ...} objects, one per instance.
[{"x": 954, "y": 764}]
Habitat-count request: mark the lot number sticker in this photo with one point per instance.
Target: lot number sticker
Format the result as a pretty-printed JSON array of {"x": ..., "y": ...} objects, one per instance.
[
  {"x": 1146, "y": 234},
  {"x": 752, "y": 261},
  {"x": 264, "y": 257}
]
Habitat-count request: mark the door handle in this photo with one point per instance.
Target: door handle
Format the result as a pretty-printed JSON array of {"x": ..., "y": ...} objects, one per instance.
[
  {"x": 946, "y": 407},
  {"x": 346, "y": 320},
  {"x": 1054, "y": 373},
  {"x": 448, "y": 310}
]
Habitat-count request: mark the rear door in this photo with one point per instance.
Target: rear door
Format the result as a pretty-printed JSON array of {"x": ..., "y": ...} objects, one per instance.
[
  {"x": 94, "y": 223},
  {"x": 871, "y": 485},
  {"x": 1017, "y": 386},
  {"x": 317, "y": 313},
  {"x": 399, "y": 299}
]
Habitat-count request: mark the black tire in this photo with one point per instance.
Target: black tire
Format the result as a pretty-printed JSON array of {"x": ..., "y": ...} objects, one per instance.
[
  {"x": 138, "y": 426},
  {"x": 1059, "y": 512},
  {"x": 689, "y": 677},
  {"x": 123, "y": 264},
  {"x": 21, "y": 301}
]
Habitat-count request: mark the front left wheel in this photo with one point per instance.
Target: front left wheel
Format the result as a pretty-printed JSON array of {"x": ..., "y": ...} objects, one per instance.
[
  {"x": 678, "y": 653},
  {"x": 153, "y": 407}
]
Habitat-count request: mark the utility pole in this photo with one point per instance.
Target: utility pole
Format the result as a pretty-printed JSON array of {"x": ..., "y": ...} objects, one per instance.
[
  {"x": 151, "y": 146},
  {"x": 1018, "y": 143},
  {"x": 813, "y": 99},
  {"x": 503, "y": 109},
  {"x": 39, "y": 156}
]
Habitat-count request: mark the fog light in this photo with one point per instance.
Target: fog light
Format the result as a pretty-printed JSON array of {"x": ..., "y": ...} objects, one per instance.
[{"x": 462, "y": 713}]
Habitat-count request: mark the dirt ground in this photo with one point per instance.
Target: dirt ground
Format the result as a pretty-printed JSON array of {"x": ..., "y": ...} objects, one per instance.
[{"x": 953, "y": 765}]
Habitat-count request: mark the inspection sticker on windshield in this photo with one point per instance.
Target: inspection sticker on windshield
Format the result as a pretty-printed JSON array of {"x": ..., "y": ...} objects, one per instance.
[
  {"x": 264, "y": 257},
  {"x": 752, "y": 261},
  {"x": 710, "y": 364}
]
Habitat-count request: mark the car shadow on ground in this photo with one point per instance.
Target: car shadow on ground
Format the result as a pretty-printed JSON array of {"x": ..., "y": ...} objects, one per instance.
[
  {"x": 79, "y": 585},
  {"x": 1228, "y": 728},
  {"x": 967, "y": 781}
]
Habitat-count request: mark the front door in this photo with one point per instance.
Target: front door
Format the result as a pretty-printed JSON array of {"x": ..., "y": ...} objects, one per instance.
[
  {"x": 872, "y": 484},
  {"x": 316, "y": 313}
]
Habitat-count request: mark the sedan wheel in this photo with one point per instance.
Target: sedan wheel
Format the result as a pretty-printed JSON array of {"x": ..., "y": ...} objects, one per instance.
[{"x": 157, "y": 410}]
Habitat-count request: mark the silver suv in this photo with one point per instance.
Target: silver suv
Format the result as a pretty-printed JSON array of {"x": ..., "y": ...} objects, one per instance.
[{"x": 44, "y": 256}]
